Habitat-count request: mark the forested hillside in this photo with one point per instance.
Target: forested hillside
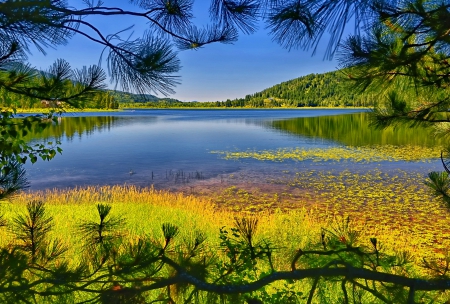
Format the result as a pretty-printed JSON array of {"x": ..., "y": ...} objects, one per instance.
[
  {"x": 101, "y": 99},
  {"x": 325, "y": 90},
  {"x": 330, "y": 89}
]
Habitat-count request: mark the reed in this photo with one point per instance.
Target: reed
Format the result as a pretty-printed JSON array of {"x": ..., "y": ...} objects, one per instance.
[{"x": 146, "y": 209}]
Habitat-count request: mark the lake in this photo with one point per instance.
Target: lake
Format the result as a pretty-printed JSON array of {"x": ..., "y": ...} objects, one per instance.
[{"x": 184, "y": 149}]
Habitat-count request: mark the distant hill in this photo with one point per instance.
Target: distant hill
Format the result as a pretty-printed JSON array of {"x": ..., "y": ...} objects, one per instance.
[
  {"x": 125, "y": 97},
  {"x": 327, "y": 89}
]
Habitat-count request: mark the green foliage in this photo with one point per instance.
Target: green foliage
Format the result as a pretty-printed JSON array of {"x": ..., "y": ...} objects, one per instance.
[
  {"x": 240, "y": 270},
  {"x": 65, "y": 94},
  {"x": 102, "y": 232},
  {"x": 314, "y": 90},
  {"x": 407, "y": 53},
  {"x": 12, "y": 179},
  {"x": 15, "y": 150},
  {"x": 439, "y": 183},
  {"x": 405, "y": 45},
  {"x": 32, "y": 231}
]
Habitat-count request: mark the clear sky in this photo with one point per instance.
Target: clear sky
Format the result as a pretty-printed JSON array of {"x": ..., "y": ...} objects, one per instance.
[{"x": 215, "y": 72}]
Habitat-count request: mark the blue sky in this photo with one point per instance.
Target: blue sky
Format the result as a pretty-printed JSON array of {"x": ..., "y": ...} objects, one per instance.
[{"x": 215, "y": 72}]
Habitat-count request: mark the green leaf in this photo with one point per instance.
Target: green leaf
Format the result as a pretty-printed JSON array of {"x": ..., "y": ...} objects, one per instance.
[{"x": 33, "y": 158}]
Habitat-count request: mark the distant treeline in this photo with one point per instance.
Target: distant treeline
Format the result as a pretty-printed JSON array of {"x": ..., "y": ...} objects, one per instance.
[
  {"x": 330, "y": 89},
  {"x": 314, "y": 90},
  {"x": 102, "y": 99}
]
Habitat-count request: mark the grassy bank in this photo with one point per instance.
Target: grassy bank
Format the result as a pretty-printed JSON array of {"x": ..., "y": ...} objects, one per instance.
[
  {"x": 145, "y": 210},
  {"x": 398, "y": 222}
]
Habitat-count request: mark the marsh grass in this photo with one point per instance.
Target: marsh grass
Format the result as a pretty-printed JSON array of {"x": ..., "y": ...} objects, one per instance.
[
  {"x": 146, "y": 209},
  {"x": 416, "y": 223},
  {"x": 396, "y": 207}
]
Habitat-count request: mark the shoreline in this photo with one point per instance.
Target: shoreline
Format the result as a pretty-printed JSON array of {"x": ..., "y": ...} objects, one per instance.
[
  {"x": 394, "y": 221},
  {"x": 90, "y": 110}
]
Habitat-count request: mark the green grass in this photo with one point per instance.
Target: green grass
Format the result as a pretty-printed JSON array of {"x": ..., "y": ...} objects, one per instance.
[
  {"x": 417, "y": 223},
  {"x": 145, "y": 210},
  {"x": 397, "y": 210}
]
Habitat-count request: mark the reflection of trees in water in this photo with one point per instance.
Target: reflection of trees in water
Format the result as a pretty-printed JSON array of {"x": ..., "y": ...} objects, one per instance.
[
  {"x": 70, "y": 127},
  {"x": 355, "y": 130}
]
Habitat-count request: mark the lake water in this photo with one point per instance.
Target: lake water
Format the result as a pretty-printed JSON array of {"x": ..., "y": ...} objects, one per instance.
[{"x": 171, "y": 149}]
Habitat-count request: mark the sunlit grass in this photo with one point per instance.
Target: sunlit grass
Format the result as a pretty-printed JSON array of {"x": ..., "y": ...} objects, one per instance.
[
  {"x": 146, "y": 209},
  {"x": 354, "y": 154},
  {"x": 397, "y": 209}
]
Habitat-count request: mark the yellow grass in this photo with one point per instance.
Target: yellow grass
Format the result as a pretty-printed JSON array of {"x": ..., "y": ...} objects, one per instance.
[{"x": 146, "y": 209}]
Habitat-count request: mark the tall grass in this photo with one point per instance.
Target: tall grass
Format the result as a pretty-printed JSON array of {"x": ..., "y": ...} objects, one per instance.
[{"x": 146, "y": 209}]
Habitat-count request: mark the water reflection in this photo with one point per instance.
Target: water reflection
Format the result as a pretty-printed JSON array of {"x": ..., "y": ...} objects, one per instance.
[
  {"x": 69, "y": 127},
  {"x": 355, "y": 130}
]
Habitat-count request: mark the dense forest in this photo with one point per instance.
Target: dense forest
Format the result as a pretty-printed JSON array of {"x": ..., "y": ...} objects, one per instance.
[
  {"x": 101, "y": 99},
  {"x": 314, "y": 90},
  {"x": 323, "y": 90}
]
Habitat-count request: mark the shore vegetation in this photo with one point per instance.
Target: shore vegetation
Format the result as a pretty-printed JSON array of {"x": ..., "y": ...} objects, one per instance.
[{"x": 141, "y": 212}]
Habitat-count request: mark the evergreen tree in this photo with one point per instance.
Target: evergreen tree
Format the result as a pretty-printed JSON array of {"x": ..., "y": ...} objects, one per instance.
[{"x": 396, "y": 44}]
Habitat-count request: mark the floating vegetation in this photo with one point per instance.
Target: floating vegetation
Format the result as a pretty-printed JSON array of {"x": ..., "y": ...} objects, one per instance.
[
  {"x": 396, "y": 207},
  {"x": 363, "y": 154}
]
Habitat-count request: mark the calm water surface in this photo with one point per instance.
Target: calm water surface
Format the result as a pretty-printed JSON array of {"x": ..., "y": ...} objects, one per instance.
[{"x": 172, "y": 148}]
